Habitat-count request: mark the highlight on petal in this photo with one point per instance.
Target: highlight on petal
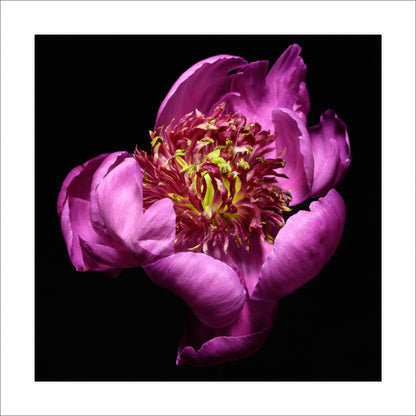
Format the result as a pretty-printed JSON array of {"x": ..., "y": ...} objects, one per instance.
[
  {"x": 286, "y": 83},
  {"x": 102, "y": 257},
  {"x": 109, "y": 163},
  {"x": 247, "y": 264},
  {"x": 293, "y": 141},
  {"x": 256, "y": 93},
  {"x": 119, "y": 199},
  {"x": 80, "y": 179},
  {"x": 74, "y": 250},
  {"x": 302, "y": 247},
  {"x": 251, "y": 84},
  {"x": 209, "y": 287},
  {"x": 156, "y": 237},
  {"x": 249, "y": 94},
  {"x": 200, "y": 87},
  {"x": 331, "y": 151},
  {"x": 204, "y": 346}
]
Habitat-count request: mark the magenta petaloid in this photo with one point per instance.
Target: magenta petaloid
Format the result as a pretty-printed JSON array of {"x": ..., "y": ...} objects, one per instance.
[{"x": 209, "y": 213}]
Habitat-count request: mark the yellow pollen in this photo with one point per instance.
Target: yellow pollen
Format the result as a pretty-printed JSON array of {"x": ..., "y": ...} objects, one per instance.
[{"x": 243, "y": 164}]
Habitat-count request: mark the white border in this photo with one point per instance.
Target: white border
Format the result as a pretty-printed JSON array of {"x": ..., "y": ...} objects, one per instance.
[{"x": 395, "y": 21}]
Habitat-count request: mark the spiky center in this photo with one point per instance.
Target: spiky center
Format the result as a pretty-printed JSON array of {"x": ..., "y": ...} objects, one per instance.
[{"x": 216, "y": 172}]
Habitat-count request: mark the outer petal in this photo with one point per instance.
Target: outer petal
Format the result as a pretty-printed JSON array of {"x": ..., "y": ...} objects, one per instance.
[
  {"x": 246, "y": 264},
  {"x": 86, "y": 248},
  {"x": 73, "y": 207},
  {"x": 80, "y": 178},
  {"x": 102, "y": 257},
  {"x": 119, "y": 200},
  {"x": 302, "y": 247},
  {"x": 157, "y": 232},
  {"x": 201, "y": 86},
  {"x": 203, "y": 346},
  {"x": 249, "y": 94},
  {"x": 71, "y": 240},
  {"x": 293, "y": 141},
  {"x": 286, "y": 83},
  {"x": 210, "y": 288},
  {"x": 331, "y": 152},
  {"x": 112, "y": 160},
  {"x": 257, "y": 94}
]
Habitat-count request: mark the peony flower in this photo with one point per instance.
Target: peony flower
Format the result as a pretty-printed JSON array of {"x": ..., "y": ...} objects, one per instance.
[{"x": 209, "y": 214}]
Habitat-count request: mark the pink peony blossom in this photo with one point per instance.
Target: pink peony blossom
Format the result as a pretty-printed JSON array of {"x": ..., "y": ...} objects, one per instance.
[{"x": 209, "y": 214}]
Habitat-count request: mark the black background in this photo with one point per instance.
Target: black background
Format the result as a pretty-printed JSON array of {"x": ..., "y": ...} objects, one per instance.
[{"x": 97, "y": 94}]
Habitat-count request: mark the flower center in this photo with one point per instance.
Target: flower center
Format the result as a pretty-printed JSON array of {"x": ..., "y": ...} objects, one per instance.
[{"x": 216, "y": 172}]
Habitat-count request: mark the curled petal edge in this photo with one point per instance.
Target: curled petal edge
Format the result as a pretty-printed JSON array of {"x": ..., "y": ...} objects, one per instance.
[
  {"x": 331, "y": 151},
  {"x": 204, "y": 346}
]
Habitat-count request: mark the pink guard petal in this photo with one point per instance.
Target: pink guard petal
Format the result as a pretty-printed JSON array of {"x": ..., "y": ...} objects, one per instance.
[
  {"x": 210, "y": 288},
  {"x": 203, "y": 346},
  {"x": 201, "y": 86},
  {"x": 286, "y": 83},
  {"x": 256, "y": 93},
  {"x": 293, "y": 140},
  {"x": 302, "y": 247},
  {"x": 249, "y": 95},
  {"x": 120, "y": 204},
  {"x": 246, "y": 264},
  {"x": 111, "y": 161},
  {"x": 79, "y": 177},
  {"x": 331, "y": 152},
  {"x": 74, "y": 209},
  {"x": 157, "y": 231}
]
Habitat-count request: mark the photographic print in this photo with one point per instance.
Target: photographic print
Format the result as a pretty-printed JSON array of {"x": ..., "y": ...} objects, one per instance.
[{"x": 208, "y": 208}]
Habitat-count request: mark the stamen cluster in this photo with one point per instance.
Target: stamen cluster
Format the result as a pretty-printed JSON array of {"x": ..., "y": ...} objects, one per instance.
[{"x": 216, "y": 172}]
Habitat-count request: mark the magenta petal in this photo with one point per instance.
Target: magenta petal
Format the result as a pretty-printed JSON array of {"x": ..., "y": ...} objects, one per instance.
[
  {"x": 204, "y": 346},
  {"x": 75, "y": 253},
  {"x": 75, "y": 223},
  {"x": 120, "y": 205},
  {"x": 302, "y": 247},
  {"x": 209, "y": 287},
  {"x": 201, "y": 86},
  {"x": 251, "y": 84},
  {"x": 246, "y": 264},
  {"x": 156, "y": 237},
  {"x": 101, "y": 257},
  {"x": 250, "y": 264},
  {"x": 78, "y": 231},
  {"x": 331, "y": 151},
  {"x": 293, "y": 140},
  {"x": 119, "y": 200},
  {"x": 80, "y": 178},
  {"x": 63, "y": 193},
  {"x": 248, "y": 94},
  {"x": 286, "y": 83},
  {"x": 111, "y": 161},
  {"x": 257, "y": 94}
]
